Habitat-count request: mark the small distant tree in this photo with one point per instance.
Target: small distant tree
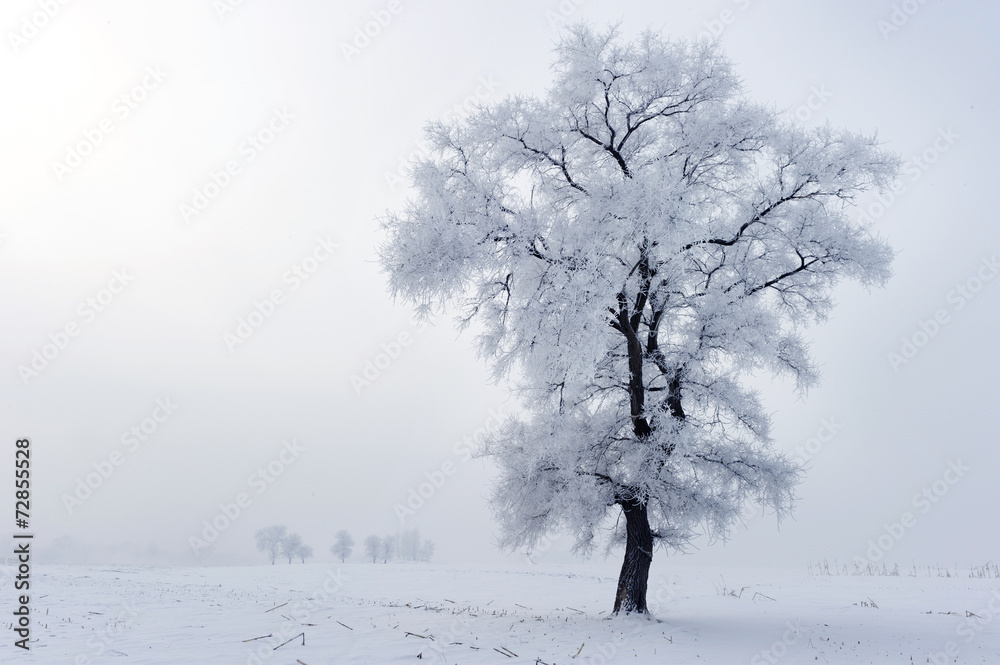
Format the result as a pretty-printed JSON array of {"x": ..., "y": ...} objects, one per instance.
[
  {"x": 409, "y": 547},
  {"x": 388, "y": 548},
  {"x": 290, "y": 546},
  {"x": 373, "y": 547},
  {"x": 269, "y": 540},
  {"x": 343, "y": 545},
  {"x": 305, "y": 552}
]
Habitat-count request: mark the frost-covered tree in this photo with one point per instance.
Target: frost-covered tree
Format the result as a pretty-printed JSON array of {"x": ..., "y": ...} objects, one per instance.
[
  {"x": 426, "y": 551},
  {"x": 410, "y": 548},
  {"x": 342, "y": 546},
  {"x": 290, "y": 546},
  {"x": 304, "y": 552},
  {"x": 630, "y": 249},
  {"x": 373, "y": 547},
  {"x": 406, "y": 546},
  {"x": 269, "y": 540}
]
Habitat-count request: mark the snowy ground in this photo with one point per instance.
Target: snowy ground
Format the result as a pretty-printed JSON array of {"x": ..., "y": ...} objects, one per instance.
[{"x": 399, "y": 613}]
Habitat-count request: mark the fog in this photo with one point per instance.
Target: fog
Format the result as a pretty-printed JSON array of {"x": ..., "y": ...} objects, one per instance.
[{"x": 193, "y": 311}]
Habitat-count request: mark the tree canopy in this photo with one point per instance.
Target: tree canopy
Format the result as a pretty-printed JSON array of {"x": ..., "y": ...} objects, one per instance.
[{"x": 630, "y": 248}]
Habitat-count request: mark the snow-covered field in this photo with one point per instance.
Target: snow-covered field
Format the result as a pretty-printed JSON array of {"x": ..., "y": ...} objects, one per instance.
[{"x": 398, "y": 613}]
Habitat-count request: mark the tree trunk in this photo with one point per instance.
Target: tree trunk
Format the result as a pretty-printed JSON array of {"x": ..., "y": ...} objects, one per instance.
[{"x": 633, "y": 579}]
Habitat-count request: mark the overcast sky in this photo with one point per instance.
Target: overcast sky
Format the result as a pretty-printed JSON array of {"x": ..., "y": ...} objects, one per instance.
[{"x": 169, "y": 169}]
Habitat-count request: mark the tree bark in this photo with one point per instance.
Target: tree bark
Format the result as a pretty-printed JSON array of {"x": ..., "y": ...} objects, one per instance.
[{"x": 634, "y": 577}]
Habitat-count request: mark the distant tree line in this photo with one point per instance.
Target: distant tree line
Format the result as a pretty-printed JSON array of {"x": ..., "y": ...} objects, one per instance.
[
  {"x": 275, "y": 542},
  {"x": 405, "y": 546}
]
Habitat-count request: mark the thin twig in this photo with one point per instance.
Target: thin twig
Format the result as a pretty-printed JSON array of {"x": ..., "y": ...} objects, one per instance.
[{"x": 287, "y": 641}]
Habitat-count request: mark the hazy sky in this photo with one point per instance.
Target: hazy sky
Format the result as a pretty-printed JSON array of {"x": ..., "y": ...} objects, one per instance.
[{"x": 188, "y": 203}]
